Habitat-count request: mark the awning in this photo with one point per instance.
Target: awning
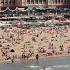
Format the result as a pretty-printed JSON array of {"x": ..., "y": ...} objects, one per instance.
[
  {"x": 22, "y": 9},
  {"x": 17, "y": 11},
  {"x": 7, "y": 11}
]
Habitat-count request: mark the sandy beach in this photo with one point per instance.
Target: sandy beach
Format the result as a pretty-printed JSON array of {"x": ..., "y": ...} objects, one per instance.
[{"x": 23, "y": 44}]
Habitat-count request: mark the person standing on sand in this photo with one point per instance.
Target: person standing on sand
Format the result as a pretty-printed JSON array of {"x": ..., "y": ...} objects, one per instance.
[
  {"x": 12, "y": 60},
  {"x": 37, "y": 57}
]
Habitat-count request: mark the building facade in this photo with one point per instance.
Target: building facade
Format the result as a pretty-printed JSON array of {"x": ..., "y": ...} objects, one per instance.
[
  {"x": 37, "y": 3},
  {"x": 59, "y": 3},
  {"x": 12, "y": 3},
  {"x": 7, "y": 3},
  {"x": 34, "y": 3},
  {"x": 22, "y": 3}
]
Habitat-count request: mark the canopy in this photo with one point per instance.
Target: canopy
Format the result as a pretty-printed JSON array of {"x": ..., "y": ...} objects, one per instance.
[
  {"x": 7, "y": 11},
  {"x": 17, "y": 11}
]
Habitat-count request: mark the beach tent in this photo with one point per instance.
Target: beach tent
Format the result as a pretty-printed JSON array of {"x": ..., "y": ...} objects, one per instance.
[
  {"x": 38, "y": 10},
  {"x": 34, "y": 8},
  {"x": 24, "y": 12},
  {"x": 29, "y": 11},
  {"x": 8, "y": 11},
  {"x": 44, "y": 10},
  {"x": 17, "y": 12},
  {"x": 20, "y": 11},
  {"x": 51, "y": 10},
  {"x": 57, "y": 11}
]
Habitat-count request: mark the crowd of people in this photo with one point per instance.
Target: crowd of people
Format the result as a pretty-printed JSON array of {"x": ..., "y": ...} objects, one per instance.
[{"x": 18, "y": 43}]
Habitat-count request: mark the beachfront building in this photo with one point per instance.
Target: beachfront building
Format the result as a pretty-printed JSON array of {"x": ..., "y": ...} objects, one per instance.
[
  {"x": 7, "y": 3},
  {"x": 34, "y": 3},
  {"x": 22, "y": 3},
  {"x": 37, "y": 3},
  {"x": 59, "y": 3},
  {"x": 12, "y": 4}
]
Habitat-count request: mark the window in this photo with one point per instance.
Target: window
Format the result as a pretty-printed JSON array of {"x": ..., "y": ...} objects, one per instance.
[
  {"x": 36, "y": 1},
  {"x": 2, "y": 1},
  {"x": 32, "y": 1},
  {"x": 44, "y": 1},
  {"x": 40, "y": 1},
  {"x": 13, "y": 1},
  {"x": 6, "y": 1},
  {"x": 62, "y": 1},
  {"x": 55, "y": 1},
  {"x": 9, "y": 1},
  {"x": 28, "y": 1}
]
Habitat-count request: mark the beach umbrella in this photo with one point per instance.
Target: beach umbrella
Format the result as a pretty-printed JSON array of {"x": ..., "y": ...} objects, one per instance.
[{"x": 12, "y": 50}]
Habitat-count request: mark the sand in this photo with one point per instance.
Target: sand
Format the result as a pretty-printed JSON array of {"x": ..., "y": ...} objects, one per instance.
[{"x": 45, "y": 41}]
